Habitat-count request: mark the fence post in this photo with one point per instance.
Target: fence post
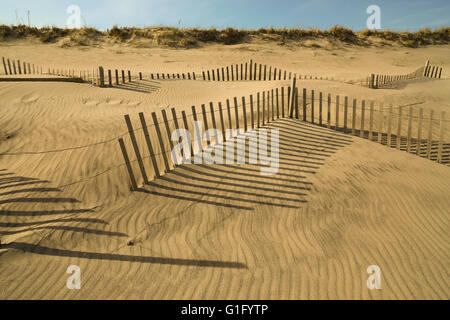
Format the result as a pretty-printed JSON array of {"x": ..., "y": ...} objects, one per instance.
[
  {"x": 345, "y": 113},
  {"x": 169, "y": 134},
  {"x": 230, "y": 122},
  {"x": 213, "y": 117},
  {"x": 14, "y": 66},
  {"x": 136, "y": 147},
  {"x": 149, "y": 144},
  {"x": 329, "y": 111},
  {"x": 175, "y": 122},
  {"x": 380, "y": 123},
  {"x": 263, "y": 106},
  {"x": 273, "y": 105},
  {"x": 4, "y": 65},
  {"x": 282, "y": 102},
  {"x": 102, "y": 76},
  {"x": 198, "y": 134},
  {"x": 251, "y": 111},
  {"x": 127, "y": 162},
  {"x": 291, "y": 111},
  {"x": 371, "y": 121},
  {"x": 399, "y": 128},
  {"x": 260, "y": 70},
  {"x": 337, "y": 112},
  {"x": 244, "y": 112},
  {"x": 354, "y": 117},
  {"x": 278, "y": 103},
  {"x": 320, "y": 108},
  {"x": 183, "y": 114},
  {"x": 430, "y": 134},
  {"x": 123, "y": 76},
  {"x": 389, "y": 135},
  {"x": 109, "y": 78},
  {"x": 19, "y": 69},
  {"x": 236, "y": 113},
  {"x": 117, "y": 77},
  {"x": 304, "y": 105},
  {"x": 408, "y": 139},
  {"x": 268, "y": 106},
  {"x": 441, "y": 138},
  {"x": 257, "y": 110},
  {"x": 161, "y": 144},
  {"x": 296, "y": 103},
  {"x": 312, "y": 106},
  {"x": 419, "y": 132},
  {"x": 222, "y": 124},
  {"x": 363, "y": 107},
  {"x": 9, "y": 66}
]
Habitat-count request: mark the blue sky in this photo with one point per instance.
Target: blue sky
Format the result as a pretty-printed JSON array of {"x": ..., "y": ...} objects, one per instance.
[{"x": 253, "y": 14}]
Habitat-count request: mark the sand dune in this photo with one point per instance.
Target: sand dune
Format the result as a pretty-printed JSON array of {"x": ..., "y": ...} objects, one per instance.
[{"x": 337, "y": 204}]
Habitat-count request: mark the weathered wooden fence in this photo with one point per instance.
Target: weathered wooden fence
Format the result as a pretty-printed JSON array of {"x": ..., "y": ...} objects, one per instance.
[
  {"x": 382, "y": 80},
  {"x": 152, "y": 144},
  {"x": 418, "y": 131}
]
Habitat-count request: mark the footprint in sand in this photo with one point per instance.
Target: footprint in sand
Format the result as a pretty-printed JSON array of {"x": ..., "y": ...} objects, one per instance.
[{"x": 29, "y": 98}]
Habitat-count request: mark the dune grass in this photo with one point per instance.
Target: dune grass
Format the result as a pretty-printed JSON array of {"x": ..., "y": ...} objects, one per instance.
[{"x": 193, "y": 37}]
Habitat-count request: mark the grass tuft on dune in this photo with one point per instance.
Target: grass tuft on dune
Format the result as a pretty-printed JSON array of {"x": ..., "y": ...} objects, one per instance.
[{"x": 195, "y": 37}]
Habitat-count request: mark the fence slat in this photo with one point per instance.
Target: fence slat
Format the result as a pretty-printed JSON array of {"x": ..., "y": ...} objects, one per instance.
[
  {"x": 128, "y": 165},
  {"x": 222, "y": 124},
  {"x": 4, "y": 65},
  {"x": 278, "y": 103},
  {"x": 380, "y": 123},
  {"x": 337, "y": 113},
  {"x": 136, "y": 148},
  {"x": 312, "y": 106},
  {"x": 186, "y": 126},
  {"x": 236, "y": 113},
  {"x": 408, "y": 139},
  {"x": 419, "y": 132},
  {"x": 149, "y": 144},
  {"x": 230, "y": 123},
  {"x": 263, "y": 107},
  {"x": 430, "y": 135},
  {"x": 399, "y": 128},
  {"x": 251, "y": 112},
  {"x": 244, "y": 113},
  {"x": 304, "y": 105},
  {"x": 363, "y": 107},
  {"x": 329, "y": 111},
  {"x": 273, "y": 105},
  {"x": 205, "y": 123},
  {"x": 161, "y": 144},
  {"x": 258, "y": 111},
  {"x": 320, "y": 108},
  {"x": 282, "y": 102},
  {"x": 389, "y": 129},
  {"x": 197, "y": 133}
]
